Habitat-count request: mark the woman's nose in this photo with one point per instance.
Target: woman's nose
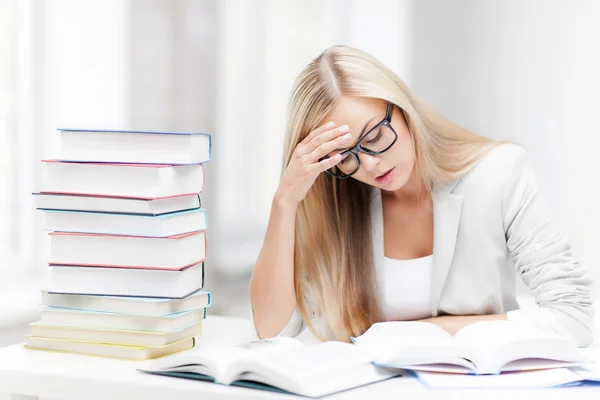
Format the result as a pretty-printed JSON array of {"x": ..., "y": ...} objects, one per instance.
[{"x": 368, "y": 162}]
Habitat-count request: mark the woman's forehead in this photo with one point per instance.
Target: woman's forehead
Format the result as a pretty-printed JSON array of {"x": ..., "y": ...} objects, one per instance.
[{"x": 356, "y": 112}]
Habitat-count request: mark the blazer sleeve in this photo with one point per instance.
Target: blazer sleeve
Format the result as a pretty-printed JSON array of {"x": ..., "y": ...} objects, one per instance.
[
  {"x": 294, "y": 326},
  {"x": 543, "y": 259}
]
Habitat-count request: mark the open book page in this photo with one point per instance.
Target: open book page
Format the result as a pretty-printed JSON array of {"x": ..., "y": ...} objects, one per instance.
[
  {"x": 216, "y": 362},
  {"x": 400, "y": 344},
  {"x": 589, "y": 371},
  {"x": 512, "y": 346},
  {"x": 526, "y": 379},
  {"x": 312, "y": 370}
]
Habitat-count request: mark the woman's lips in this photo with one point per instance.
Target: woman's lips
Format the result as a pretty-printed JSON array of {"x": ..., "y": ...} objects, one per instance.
[{"x": 387, "y": 177}]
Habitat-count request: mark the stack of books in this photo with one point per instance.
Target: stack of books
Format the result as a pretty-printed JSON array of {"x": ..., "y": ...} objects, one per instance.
[{"x": 127, "y": 236}]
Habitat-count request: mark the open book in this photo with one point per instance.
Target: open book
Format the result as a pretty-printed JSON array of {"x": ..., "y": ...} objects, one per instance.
[
  {"x": 487, "y": 347},
  {"x": 278, "y": 364}
]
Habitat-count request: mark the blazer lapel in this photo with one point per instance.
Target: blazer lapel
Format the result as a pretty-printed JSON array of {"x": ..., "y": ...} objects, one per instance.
[
  {"x": 377, "y": 232},
  {"x": 447, "y": 208}
]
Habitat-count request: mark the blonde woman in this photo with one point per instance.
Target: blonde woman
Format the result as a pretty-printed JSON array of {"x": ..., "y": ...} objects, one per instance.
[{"x": 386, "y": 210}]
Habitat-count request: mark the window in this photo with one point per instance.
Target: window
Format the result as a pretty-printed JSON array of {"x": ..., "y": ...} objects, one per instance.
[{"x": 7, "y": 134}]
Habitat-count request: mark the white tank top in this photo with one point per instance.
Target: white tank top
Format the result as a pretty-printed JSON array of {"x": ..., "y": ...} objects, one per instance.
[{"x": 405, "y": 288}]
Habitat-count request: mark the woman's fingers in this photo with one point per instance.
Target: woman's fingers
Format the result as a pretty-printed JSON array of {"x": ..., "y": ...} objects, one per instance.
[
  {"x": 328, "y": 163},
  {"x": 335, "y": 145},
  {"x": 327, "y": 136},
  {"x": 323, "y": 128},
  {"x": 326, "y": 140}
]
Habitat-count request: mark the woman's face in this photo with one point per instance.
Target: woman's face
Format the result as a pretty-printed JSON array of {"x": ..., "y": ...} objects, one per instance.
[{"x": 390, "y": 170}]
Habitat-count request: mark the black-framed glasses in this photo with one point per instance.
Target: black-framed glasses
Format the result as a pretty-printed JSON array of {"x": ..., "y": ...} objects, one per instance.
[{"x": 376, "y": 140}]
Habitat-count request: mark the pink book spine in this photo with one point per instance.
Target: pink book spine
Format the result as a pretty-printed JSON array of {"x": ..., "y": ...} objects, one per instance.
[
  {"x": 121, "y": 197},
  {"x": 177, "y": 268}
]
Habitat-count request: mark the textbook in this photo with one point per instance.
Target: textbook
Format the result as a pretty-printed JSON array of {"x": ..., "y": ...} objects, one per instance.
[
  {"x": 534, "y": 379},
  {"x": 148, "y": 147},
  {"x": 278, "y": 364},
  {"x": 142, "y": 181},
  {"x": 114, "y": 336},
  {"x": 110, "y": 204},
  {"x": 134, "y": 353},
  {"x": 104, "y": 320},
  {"x": 87, "y": 249},
  {"x": 128, "y": 304},
  {"x": 124, "y": 281},
  {"x": 170, "y": 224},
  {"x": 487, "y": 347}
]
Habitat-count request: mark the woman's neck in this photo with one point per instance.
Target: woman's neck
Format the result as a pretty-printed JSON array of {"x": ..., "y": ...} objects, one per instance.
[{"x": 413, "y": 191}]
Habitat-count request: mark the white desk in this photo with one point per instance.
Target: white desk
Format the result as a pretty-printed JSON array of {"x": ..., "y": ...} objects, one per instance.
[{"x": 29, "y": 374}]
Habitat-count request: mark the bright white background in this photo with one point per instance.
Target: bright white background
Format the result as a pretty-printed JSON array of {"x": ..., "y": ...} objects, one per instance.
[{"x": 524, "y": 70}]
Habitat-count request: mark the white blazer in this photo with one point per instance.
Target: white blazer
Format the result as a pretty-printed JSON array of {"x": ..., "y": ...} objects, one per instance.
[{"x": 488, "y": 225}]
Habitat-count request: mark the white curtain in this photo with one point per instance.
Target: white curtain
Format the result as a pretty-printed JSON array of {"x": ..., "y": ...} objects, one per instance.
[
  {"x": 7, "y": 127},
  {"x": 19, "y": 244}
]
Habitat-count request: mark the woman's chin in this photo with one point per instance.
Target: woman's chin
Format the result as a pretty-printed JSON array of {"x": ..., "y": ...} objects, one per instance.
[
  {"x": 397, "y": 182},
  {"x": 390, "y": 188}
]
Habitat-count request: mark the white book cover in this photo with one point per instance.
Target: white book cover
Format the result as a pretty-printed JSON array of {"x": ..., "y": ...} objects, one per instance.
[
  {"x": 104, "y": 320},
  {"x": 126, "y": 352},
  {"x": 134, "y": 146},
  {"x": 109, "y": 281},
  {"x": 163, "y": 225},
  {"x": 114, "y": 336},
  {"x": 140, "y": 305},
  {"x": 122, "y": 180},
  {"x": 111, "y": 204},
  {"x": 87, "y": 249}
]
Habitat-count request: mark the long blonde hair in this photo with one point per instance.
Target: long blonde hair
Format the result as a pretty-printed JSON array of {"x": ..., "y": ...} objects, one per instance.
[{"x": 333, "y": 255}]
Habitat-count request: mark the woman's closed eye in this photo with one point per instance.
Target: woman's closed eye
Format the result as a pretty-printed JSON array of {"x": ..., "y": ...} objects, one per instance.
[
  {"x": 373, "y": 137},
  {"x": 345, "y": 158}
]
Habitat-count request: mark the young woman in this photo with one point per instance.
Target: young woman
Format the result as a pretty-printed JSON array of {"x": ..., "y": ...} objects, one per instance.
[{"x": 386, "y": 210}]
